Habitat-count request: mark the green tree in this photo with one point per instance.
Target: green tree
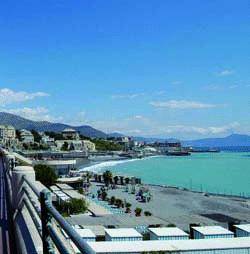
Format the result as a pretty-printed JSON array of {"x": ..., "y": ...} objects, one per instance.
[
  {"x": 45, "y": 174},
  {"x": 138, "y": 211},
  {"x": 65, "y": 146},
  {"x": 55, "y": 135},
  {"x": 147, "y": 213},
  {"x": 74, "y": 206},
  {"x": 105, "y": 145},
  {"x": 37, "y": 136}
]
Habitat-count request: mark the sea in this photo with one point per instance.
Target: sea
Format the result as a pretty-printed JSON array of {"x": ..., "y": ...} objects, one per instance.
[{"x": 224, "y": 173}]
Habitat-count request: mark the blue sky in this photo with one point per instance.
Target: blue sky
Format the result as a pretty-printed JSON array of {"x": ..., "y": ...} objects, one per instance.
[{"x": 147, "y": 68}]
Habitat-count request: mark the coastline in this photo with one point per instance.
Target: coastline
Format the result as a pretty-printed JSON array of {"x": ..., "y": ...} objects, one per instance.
[{"x": 100, "y": 166}]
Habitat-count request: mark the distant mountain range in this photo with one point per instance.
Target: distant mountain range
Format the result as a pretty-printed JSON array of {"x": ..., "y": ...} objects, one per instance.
[
  {"x": 88, "y": 131},
  {"x": 229, "y": 141},
  {"x": 23, "y": 123}
]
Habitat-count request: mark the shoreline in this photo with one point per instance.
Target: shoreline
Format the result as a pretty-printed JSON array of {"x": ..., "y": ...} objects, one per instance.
[
  {"x": 99, "y": 166},
  {"x": 195, "y": 191}
]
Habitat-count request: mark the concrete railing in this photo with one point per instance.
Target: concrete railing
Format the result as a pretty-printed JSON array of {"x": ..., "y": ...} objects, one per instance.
[{"x": 37, "y": 223}]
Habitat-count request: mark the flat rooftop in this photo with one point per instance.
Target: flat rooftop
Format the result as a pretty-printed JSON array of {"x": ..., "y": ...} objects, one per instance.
[
  {"x": 245, "y": 227},
  {"x": 168, "y": 231},
  {"x": 64, "y": 186},
  {"x": 213, "y": 230},
  {"x": 85, "y": 232},
  {"x": 166, "y": 245},
  {"x": 122, "y": 232}
]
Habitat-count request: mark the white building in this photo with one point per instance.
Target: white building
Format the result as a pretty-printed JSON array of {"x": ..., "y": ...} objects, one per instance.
[
  {"x": 7, "y": 134},
  {"x": 206, "y": 232},
  {"x": 76, "y": 145},
  {"x": 242, "y": 230},
  {"x": 90, "y": 146},
  {"x": 26, "y": 136},
  {"x": 47, "y": 140},
  {"x": 167, "y": 233},
  {"x": 69, "y": 133},
  {"x": 122, "y": 234}
]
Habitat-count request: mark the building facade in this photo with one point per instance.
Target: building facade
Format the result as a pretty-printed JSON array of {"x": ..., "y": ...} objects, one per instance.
[
  {"x": 7, "y": 134},
  {"x": 69, "y": 133},
  {"x": 26, "y": 136}
]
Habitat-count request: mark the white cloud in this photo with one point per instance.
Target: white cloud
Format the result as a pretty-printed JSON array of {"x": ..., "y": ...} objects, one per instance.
[
  {"x": 211, "y": 130},
  {"x": 181, "y": 104},
  {"x": 127, "y": 96},
  {"x": 226, "y": 73},
  {"x": 35, "y": 114},
  {"x": 8, "y": 96}
]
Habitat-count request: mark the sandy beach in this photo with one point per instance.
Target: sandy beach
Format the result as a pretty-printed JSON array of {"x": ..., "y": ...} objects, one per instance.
[{"x": 176, "y": 206}]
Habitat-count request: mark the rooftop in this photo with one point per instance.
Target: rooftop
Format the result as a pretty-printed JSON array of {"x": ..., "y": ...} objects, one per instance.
[
  {"x": 178, "y": 245},
  {"x": 245, "y": 227},
  {"x": 213, "y": 230},
  {"x": 85, "y": 232},
  {"x": 122, "y": 232},
  {"x": 170, "y": 231}
]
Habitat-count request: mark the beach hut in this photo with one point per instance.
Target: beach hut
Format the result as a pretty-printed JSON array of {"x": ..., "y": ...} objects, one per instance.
[
  {"x": 242, "y": 230},
  {"x": 122, "y": 234},
  {"x": 167, "y": 233},
  {"x": 206, "y": 232}
]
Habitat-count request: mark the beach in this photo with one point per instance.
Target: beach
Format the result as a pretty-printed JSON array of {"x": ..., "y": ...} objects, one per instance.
[{"x": 173, "y": 206}]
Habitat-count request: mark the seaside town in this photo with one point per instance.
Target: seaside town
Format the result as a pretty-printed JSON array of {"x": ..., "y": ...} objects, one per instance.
[
  {"x": 105, "y": 207},
  {"x": 124, "y": 127}
]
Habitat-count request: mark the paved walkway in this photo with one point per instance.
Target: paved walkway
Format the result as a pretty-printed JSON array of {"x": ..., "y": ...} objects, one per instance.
[{"x": 5, "y": 246}]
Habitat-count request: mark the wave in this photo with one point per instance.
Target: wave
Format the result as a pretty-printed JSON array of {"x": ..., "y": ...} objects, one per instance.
[{"x": 102, "y": 165}]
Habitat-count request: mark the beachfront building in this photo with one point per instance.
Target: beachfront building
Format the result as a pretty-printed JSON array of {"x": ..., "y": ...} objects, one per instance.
[
  {"x": 72, "y": 145},
  {"x": 167, "y": 233},
  {"x": 122, "y": 234},
  {"x": 206, "y": 232},
  {"x": 26, "y": 137},
  {"x": 69, "y": 133},
  {"x": 242, "y": 230},
  {"x": 7, "y": 134},
  {"x": 60, "y": 166},
  {"x": 75, "y": 182}
]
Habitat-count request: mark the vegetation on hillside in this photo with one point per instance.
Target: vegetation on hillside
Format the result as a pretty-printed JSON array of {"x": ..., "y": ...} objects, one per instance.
[{"x": 105, "y": 145}]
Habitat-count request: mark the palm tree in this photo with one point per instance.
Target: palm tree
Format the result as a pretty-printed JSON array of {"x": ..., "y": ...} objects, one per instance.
[
  {"x": 116, "y": 178},
  {"x": 127, "y": 180},
  {"x": 121, "y": 180},
  {"x": 138, "y": 211},
  {"x": 107, "y": 177}
]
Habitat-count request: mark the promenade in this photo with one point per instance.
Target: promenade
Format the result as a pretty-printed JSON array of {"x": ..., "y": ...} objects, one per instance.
[{"x": 5, "y": 239}]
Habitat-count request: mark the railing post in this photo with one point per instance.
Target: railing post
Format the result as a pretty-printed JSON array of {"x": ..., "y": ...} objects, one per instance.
[
  {"x": 45, "y": 198},
  {"x": 17, "y": 182}
]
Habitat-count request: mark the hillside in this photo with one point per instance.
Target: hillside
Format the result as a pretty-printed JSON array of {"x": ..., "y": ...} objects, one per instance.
[
  {"x": 232, "y": 140},
  {"x": 23, "y": 123}
]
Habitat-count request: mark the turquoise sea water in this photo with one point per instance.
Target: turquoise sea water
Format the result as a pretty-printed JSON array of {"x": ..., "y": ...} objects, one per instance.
[{"x": 224, "y": 172}]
